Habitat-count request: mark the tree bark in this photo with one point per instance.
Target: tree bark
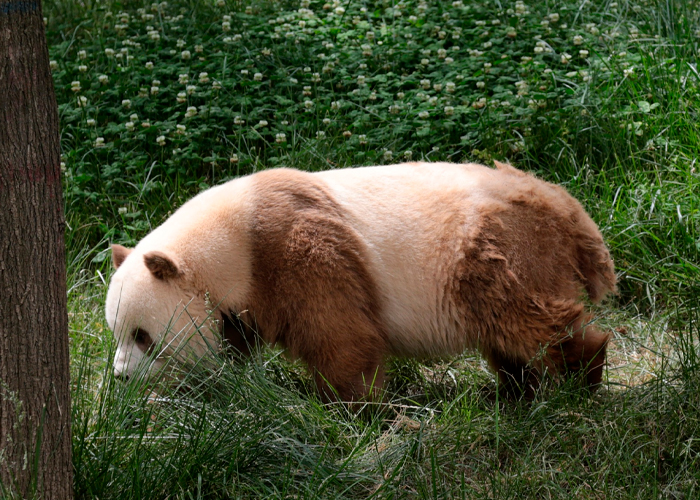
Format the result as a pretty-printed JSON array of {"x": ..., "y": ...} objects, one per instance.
[{"x": 35, "y": 444}]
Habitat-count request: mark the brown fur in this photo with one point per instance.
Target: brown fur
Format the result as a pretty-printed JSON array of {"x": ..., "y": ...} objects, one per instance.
[
  {"x": 119, "y": 254},
  {"x": 312, "y": 291},
  {"x": 161, "y": 265}
]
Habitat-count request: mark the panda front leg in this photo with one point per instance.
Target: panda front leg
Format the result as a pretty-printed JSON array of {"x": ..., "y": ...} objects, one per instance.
[{"x": 346, "y": 359}]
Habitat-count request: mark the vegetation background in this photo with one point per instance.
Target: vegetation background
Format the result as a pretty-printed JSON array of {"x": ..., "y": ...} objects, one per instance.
[{"x": 160, "y": 101}]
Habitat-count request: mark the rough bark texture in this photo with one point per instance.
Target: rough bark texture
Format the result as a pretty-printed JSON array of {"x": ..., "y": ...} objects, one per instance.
[{"x": 34, "y": 392}]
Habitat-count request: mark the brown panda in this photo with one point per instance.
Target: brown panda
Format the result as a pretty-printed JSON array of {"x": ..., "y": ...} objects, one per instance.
[{"x": 344, "y": 268}]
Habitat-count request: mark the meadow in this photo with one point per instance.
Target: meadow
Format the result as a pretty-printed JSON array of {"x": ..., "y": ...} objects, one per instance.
[{"x": 159, "y": 101}]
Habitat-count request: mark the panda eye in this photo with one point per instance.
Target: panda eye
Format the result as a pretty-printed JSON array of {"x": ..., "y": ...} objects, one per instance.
[{"x": 143, "y": 340}]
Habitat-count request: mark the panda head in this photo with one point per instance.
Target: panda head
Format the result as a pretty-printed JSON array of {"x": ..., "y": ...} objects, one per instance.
[{"x": 154, "y": 311}]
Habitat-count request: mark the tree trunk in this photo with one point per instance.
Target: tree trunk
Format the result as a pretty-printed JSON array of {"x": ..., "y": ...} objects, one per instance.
[{"x": 35, "y": 411}]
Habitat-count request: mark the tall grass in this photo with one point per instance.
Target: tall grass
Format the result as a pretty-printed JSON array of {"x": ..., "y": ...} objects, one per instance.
[{"x": 617, "y": 127}]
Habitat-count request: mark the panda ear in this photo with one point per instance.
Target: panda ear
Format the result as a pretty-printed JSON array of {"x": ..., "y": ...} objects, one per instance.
[
  {"x": 119, "y": 253},
  {"x": 160, "y": 265}
]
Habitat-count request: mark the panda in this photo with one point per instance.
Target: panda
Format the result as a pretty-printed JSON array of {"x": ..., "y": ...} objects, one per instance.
[{"x": 344, "y": 268}]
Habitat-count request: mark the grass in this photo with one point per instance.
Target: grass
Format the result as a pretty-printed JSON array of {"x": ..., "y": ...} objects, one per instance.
[{"x": 616, "y": 125}]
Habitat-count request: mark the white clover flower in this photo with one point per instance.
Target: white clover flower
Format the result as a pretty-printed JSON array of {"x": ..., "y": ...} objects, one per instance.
[
  {"x": 583, "y": 53},
  {"x": 103, "y": 79},
  {"x": 628, "y": 71},
  {"x": 437, "y": 87},
  {"x": 425, "y": 62},
  {"x": 185, "y": 54},
  {"x": 191, "y": 89},
  {"x": 129, "y": 126},
  {"x": 362, "y": 138},
  {"x": 100, "y": 142},
  {"x": 565, "y": 58},
  {"x": 220, "y": 3},
  {"x": 449, "y": 60},
  {"x": 154, "y": 35},
  {"x": 181, "y": 43},
  {"x": 146, "y": 124},
  {"x": 425, "y": 83},
  {"x": 82, "y": 68},
  {"x": 244, "y": 72},
  {"x": 423, "y": 115},
  {"x": 449, "y": 110},
  {"x": 225, "y": 26},
  {"x": 335, "y": 105},
  {"x": 262, "y": 123},
  {"x": 487, "y": 45},
  {"x": 347, "y": 134},
  {"x": 181, "y": 129},
  {"x": 326, "y": 121},
  {"x": 199, "y": 49},
  {"x": 578, "y": 40},
  {"x": 181, "y": 97},
  {"x": 571, "y": 74},
  {"x": 234, "y": 158},
  {"x": 308, "y": 104},
  {"x": 316, "y": 78},
  {"x": 126, "y": 103},
  {"x": 154, "y": 90},
  {"x": 554, "y": 17},
  {"x": 450, "y": 87},
  {"x": 238, "y": 121},
  {"x": 143, "y": 92},
  {"x": 109, "y": 52},
  {"x": 258, "y": 77},
  {"x": 320, "y": 134},
  {"x": 204, "y": 77},
  {"x": 525, "y": 59},
  {"x": 388, "y": 155},
  {"x": 281, "y": 137},
  {"x": 82, "y": 54},
  {"x": 161, "y": 140},
  {"x": 479, "y": 104},
  {"x": 226, "y": 18},
  {"x": 216, "y": 85},
  {"x": 339, "y": 11},
  {"x": 191, "y": 111},
  {"x": 134, "y": 117},
  {"x": 360, "y": 79},
  {"x": 373, "y": 96},
  {"x": 149, "y": 65},
  {"x": 407, "y": 154},
  {"x": 53, "y": 65},
  {"x": 394, "y": 109},
  {"x": 90, "y": 122}
]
